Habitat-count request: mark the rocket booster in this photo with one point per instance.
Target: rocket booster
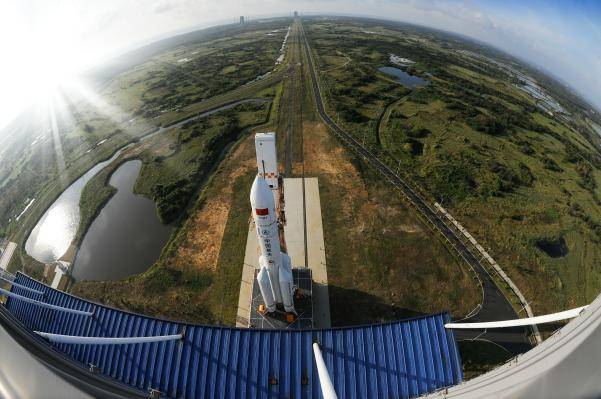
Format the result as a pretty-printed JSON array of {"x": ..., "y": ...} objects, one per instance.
[
  {"x": 275, "y": 274},
  {"x": 263, "y": 205}
]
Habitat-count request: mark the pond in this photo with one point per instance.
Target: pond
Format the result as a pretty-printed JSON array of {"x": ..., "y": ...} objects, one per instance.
[
  {"x": 127, "y": 237},
  {"x": 404, "y": 78},
  {"x": 53, "y": 233}
]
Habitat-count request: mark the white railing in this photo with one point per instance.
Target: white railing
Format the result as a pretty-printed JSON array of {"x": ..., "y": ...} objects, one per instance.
[
  {"x": 20, "y": 286},
  {"x": 74, "y": 339},
  {"x": 43, "y": 304}
]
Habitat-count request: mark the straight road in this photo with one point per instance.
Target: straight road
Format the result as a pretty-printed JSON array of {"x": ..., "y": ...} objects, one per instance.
[{"x": 495, "y": 306}]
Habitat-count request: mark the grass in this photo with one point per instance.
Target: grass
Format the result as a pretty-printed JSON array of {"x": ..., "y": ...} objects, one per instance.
[
  {"x": 383, "y": 263},
  {"x": 215, "y": 65},
  {"x": 511, "y": 174}
]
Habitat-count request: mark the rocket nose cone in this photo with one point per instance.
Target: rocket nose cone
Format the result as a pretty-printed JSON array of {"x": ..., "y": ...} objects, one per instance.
[{"x": 260, "y": 194}]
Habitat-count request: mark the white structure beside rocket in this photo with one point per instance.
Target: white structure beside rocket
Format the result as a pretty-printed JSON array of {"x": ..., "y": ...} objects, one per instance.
[{"x": 275, "y": 269}]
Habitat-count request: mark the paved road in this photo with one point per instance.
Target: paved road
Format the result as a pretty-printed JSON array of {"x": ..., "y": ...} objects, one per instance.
[{"x": 495, "y": 306}]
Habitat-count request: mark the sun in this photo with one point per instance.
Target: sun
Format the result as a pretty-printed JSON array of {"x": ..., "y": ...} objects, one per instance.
[{"x": 39, "y": 55}]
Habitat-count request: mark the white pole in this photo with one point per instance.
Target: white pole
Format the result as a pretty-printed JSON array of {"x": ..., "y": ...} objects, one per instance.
[
  {"x": 21, "y": 286},
  {"x": 327, "y": 389},
  {"x": 45, "y": 305},
  {"x": 74, "y": 339}
]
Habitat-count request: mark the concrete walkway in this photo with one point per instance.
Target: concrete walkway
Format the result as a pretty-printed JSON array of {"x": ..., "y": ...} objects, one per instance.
[
  {"x": 316, "y": 255},
  {"x": 295, "y": 241},
  {"x": 295, "y": 224},
  {"x": 6, "y": 254}
]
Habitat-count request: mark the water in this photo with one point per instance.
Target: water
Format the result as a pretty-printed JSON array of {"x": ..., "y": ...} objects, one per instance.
[
  {"x": 53, "y": 233},
  {"x": 126, "y": 238},
  {"x": 404, "y": 78}
]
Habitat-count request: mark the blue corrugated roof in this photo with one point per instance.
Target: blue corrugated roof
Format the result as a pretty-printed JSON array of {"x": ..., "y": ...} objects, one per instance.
[{"x": 403, "y": 359}]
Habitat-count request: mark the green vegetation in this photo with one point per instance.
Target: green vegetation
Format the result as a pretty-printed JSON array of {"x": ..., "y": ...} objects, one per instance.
[
  {"x": 125, "y": 105},
  {"x": 197, "y": 278},
  {"x": 383, "y": 263},
  {"x": 525, "y": 182},
  {"x": 192, "y": 72},
  {"x": 184, "y": 173},
  {"x": 513, "y": 173}
]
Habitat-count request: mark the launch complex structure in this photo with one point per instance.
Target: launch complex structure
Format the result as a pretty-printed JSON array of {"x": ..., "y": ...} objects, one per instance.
[{"x": 281, "y": 295}]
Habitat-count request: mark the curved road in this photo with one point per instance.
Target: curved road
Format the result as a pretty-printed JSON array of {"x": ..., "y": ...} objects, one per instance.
[{"x": 495, "y": 306}]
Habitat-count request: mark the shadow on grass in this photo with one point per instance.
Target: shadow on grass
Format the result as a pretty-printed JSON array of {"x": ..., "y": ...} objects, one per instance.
[
  {"x": 353, "y": 307},
  {"x": 478, "y": 357}
]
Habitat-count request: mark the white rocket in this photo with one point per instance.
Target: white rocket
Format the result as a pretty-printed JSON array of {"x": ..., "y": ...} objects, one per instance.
[{"x": 275, "y": 273}]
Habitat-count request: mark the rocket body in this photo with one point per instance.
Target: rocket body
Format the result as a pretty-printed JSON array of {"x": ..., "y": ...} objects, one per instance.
[{"x": 275, "y": 273}]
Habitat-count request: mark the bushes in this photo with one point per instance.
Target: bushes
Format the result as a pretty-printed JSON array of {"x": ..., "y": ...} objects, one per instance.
[
  {"x": 526, "y": 147},
  {"x": 586, "y": 174},
  {"x": 507, "y": 180},
  {"x": 487, "y": 124},
  {"x": 352, "y": 115},
  {"x": 418, "y": 132},
  {"x": 550, "y": 164},
  {"x": 172, "y": 198},
  {"x": 453, "y": 181},
  {"x": 191, "y": 162},
  {"x": 413, "y": 147},
  {"x": 526, "y": 175}
]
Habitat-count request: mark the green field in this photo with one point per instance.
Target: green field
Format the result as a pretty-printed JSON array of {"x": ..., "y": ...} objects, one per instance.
[{"x": 521, "y": 180}]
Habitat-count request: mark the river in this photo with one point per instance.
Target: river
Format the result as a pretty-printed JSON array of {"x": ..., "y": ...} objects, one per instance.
[{"x": 126, "y": 237}]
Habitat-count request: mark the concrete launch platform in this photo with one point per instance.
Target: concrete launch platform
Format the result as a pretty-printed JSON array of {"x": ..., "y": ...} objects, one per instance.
[
  {"x": 303, "y": 304},
  {"x": 313, "y": 257}
]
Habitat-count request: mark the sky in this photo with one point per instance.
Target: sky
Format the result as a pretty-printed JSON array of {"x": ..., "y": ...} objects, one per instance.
[{"x": 47, "y": 42}]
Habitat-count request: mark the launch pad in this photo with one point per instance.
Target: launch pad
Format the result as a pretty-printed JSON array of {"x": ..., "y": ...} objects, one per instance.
[
  {"x": 284, "y": 278},
  {"x": 303, "y": 302}
]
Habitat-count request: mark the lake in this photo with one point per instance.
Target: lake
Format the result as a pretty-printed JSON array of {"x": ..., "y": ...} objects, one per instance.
[
  {"x": 127, "y": 237},
  {"x": 404, "y": 78}
]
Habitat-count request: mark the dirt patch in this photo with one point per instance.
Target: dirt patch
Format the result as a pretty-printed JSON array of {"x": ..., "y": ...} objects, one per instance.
[
  {"x": 322, "y": 157},
  {"x": 158, "y": 146},
  {"x": 408, "y": 228},
  {"x": 205, "y": 228}
]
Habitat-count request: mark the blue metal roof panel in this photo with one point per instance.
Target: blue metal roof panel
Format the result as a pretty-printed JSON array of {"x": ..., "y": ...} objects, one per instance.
[{"x": 404, "y": 359}]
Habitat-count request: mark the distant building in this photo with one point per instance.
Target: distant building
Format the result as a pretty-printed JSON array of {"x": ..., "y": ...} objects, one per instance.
[
  {"x": 295, "y": 14},
  {"x": 241, "y": 19}
]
